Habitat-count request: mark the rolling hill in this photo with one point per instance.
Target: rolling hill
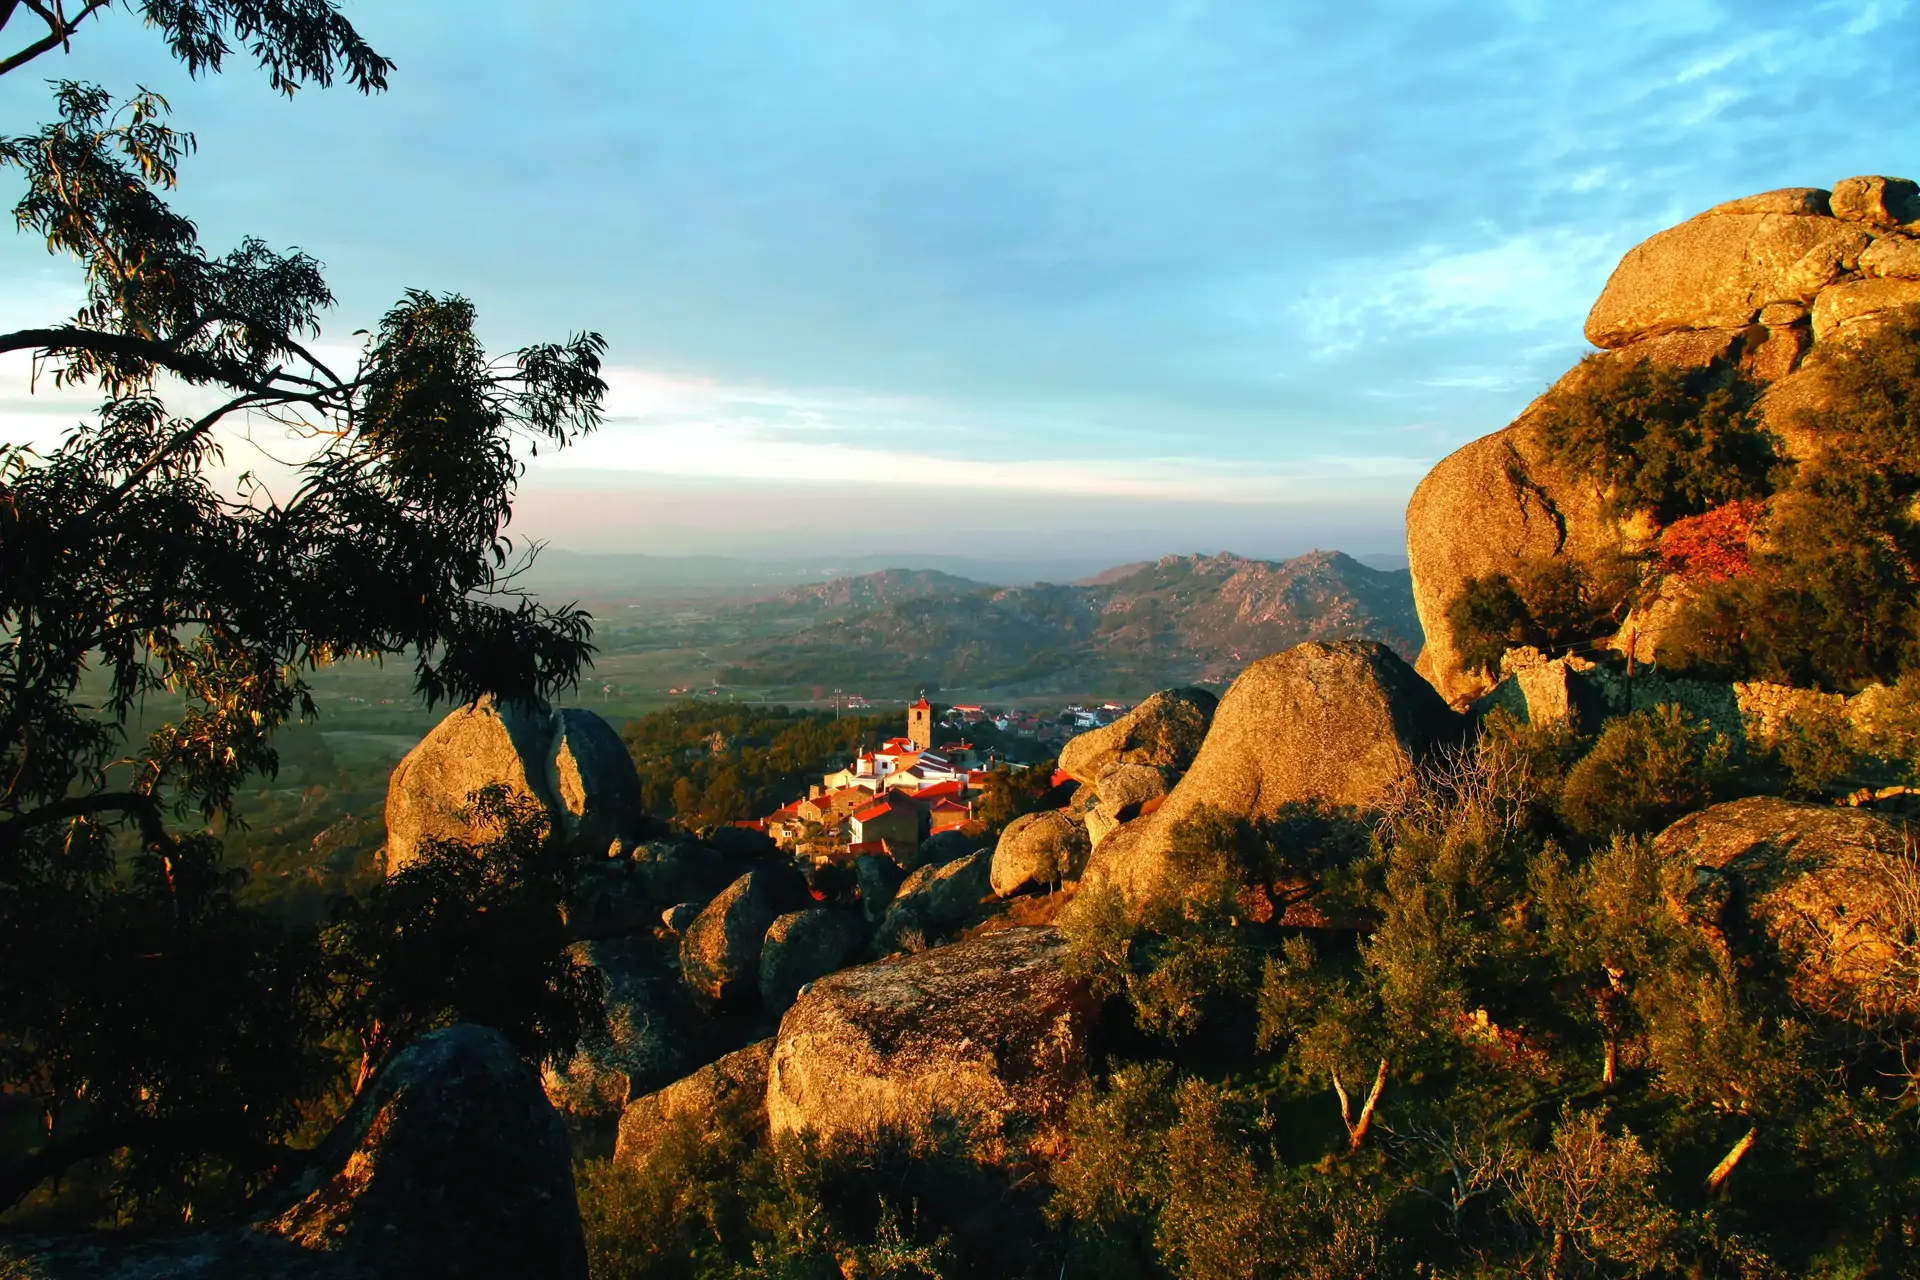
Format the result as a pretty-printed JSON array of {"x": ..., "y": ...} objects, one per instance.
[{"x": 1177, "y": 619}]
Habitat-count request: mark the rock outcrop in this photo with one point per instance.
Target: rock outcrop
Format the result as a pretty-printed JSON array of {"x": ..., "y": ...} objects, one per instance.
[
  {"x": 1826, "y": 890},
  {"x": 934, "y": 900},
  {"x": 1771, "y": 281},
  {"x": 644, "y": 1041},
  {"x": 571, "y": 761},
  {"x": 1038, "y": 849},
  {"x": 879, "y": 879},
  {"x": 1341, "y": 724},
  {"x": 1125, "y": 792},
  {"x": 990, "y": 1033},
  {"x": 803, "y": 945},
  {"x": 451, "y": 1163},
  {"x": 730, "y": 1091},
  {"x": 1166, "y": 731},
  {"x": 720, "y": 951}
]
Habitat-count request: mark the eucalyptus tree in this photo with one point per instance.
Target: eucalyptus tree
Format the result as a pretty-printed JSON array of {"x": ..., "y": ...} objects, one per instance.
[{"x": 146, "y": 1013}]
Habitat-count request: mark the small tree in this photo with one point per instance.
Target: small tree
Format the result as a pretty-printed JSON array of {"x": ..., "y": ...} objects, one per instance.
[{"x": 141, "y": 1006}]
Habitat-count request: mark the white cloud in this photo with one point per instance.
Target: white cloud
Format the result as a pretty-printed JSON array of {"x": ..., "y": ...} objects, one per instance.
[
  {"x": 1533, "y": 282},
  {"x": 670, "y": 426}
]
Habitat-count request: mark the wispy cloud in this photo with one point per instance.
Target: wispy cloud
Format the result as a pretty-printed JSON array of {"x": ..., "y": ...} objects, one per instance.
[{"x": 665, "y": 425}]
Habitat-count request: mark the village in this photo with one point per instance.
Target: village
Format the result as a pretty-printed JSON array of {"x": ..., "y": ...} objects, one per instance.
[{"x": 888, "y": 800}]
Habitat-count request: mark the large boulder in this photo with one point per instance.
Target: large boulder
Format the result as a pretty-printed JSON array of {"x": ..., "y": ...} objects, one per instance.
[
  {"x": 1166, "y": 730},
  {"x": 672, "y": 871},
  {"x": 803, "y": 945},
  {"x": 1717, "y": 270},
  {"x": 720, "y": 952},
  {"x": 644, "y": 1041},
  {"x": 450, "y": 1163},
  {"x": 1343, "y": 724},
  {"x": 1125, "y": 791},
  {"x": 611, "y": 900},
  {"x": 571, "y": 761},
  {"x": 1039, "y": 849},
  {"x": 990, "y": 1033},
  {"x": 1828, "y": 891},
  {"x": 935, "y": 900},
  {"x": 729, "y": 1092},
  {"x": 1876, "y": 201}
]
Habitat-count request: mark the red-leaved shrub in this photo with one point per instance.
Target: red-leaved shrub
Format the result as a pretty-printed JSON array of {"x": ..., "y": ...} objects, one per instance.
[{"x": 1712, "y": 545}]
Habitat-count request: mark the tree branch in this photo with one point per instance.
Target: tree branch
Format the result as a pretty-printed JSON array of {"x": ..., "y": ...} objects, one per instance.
[
  {"x": 58, "y": 31},
  {"x": 1724, "y": 1170},
  {"x": 144, "y": 808},
  {"x": 1357, "y": 1134},
  {"x": 18, "y": 1179},
  {"x": 187, "y": 364}
]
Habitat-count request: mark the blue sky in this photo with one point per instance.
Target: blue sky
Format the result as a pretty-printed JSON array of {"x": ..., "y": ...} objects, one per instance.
[{"x": 1126, "y": 278}]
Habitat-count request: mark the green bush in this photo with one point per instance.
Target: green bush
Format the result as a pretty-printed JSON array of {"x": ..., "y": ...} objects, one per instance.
[
  {"x": 1645, "y": 770},
  {"x": 1548, "y": 602},
  {"x": 1671, "y": 441},
  {"x": 1829, "y": 599},
  {"x": 717, "y": 1199}
]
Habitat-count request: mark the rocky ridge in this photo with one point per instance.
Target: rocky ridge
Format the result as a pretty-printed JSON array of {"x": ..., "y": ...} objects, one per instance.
[{"x": 1772, "y": 282}]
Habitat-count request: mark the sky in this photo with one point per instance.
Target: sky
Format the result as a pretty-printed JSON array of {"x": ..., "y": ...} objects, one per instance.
[{"x": 980, "y": 278}]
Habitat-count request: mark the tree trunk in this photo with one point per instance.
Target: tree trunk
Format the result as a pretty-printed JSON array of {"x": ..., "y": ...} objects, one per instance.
[
  {"x": 1611, "y": 1071},
  {"x": 1724, "y": 1169},
  {"x": 1357, "y": 1132}
]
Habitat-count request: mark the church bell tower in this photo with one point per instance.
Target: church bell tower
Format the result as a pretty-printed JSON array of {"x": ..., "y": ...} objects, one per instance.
[{"x": 920, "y": 724}]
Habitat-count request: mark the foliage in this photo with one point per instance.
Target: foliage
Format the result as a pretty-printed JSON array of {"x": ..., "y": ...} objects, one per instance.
[
  {"x": 1713, "y": 545},
  {"x": 1645, "y": 769},
  {"x": 1550, "y": 603},
  {"x": 468, "y": 934},
  {"x": 154, "y": 1017},
  {"x": 705, "y": 766},
  {"x": 1561, "y": 1058},
  {"x": 1829, "y": 599},
  {"x": 1192, "y": 949},
  {"x": 1011, "y": 793},
  {"x": 711, "y": 1201},
  {"x": 1657, "y": 438}
]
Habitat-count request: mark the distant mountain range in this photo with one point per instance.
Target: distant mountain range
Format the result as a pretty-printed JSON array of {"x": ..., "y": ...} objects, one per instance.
[
  {"x": 1131, "y": 628},
  {"x": 558, "y": 572}
]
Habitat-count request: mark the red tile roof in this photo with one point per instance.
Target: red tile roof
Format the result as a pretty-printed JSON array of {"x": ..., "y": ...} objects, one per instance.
[{"x": 880, "y": 808}]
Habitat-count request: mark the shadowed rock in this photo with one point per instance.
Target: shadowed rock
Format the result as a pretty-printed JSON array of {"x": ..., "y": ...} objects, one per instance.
[
  {"x": 934, "y": 900},
  {"x": 732, "y": 1090},
  {"x": 803, "y": 945},
  {"x": 720, "y": 952},
  {"x": 644, "y": 1041},
  {"x": 451, "y": 1163}
]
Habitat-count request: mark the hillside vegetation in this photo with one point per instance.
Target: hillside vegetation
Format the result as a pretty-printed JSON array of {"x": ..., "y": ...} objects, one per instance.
[{"x": 1176, "y": 620}]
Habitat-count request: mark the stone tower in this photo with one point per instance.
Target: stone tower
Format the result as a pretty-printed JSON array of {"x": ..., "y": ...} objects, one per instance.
[{"x": 920, "y": 724}]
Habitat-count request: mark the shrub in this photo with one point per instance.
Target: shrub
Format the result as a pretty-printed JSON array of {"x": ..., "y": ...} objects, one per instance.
[
  {"x": 1645, "y": 770},
  {"x": 1548, "y": 602},
  {"x": 1713, "y": 545},
  {"x": 1829, "y": 597},
  {"x": 1675, "y": 442}
]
